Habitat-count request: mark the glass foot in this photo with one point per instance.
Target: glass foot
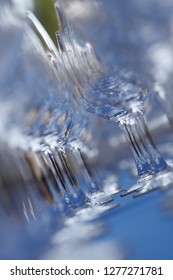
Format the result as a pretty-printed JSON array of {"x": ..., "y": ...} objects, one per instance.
[{"x": 161, "y": 180}]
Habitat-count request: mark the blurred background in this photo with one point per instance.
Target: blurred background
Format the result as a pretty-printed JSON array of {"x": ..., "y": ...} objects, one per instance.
[{"x": 35, "y": 221}]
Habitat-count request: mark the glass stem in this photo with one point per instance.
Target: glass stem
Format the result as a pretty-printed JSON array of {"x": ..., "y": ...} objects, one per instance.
[
  {"x": 85, "y": 170},
  {"x": 147, "y": 158}
]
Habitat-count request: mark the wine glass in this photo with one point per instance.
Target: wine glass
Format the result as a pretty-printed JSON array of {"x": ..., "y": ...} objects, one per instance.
[
  {"x": 50, "y": 130},
  {"x": 31, "y": 113},
  {"x": 83, "y": 122},
  {"x": 58, "y": 141},
  {"x": 115, "y": 95}
]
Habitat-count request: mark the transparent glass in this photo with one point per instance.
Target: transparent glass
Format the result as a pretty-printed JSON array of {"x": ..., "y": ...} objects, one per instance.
[
  {"x": 81, "y": 126},
  {"x": 113, "y": 94},
  {"x": 35, "y": 114}
]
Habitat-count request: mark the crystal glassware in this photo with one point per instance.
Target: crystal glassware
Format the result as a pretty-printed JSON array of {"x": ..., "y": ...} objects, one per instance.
[
  {"x": 83, "y": 122},
  {"x": 115, "y": 95}
]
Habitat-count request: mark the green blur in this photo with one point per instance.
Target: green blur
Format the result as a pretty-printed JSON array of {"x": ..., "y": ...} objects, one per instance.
[{"x": 45, "y": 12}]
